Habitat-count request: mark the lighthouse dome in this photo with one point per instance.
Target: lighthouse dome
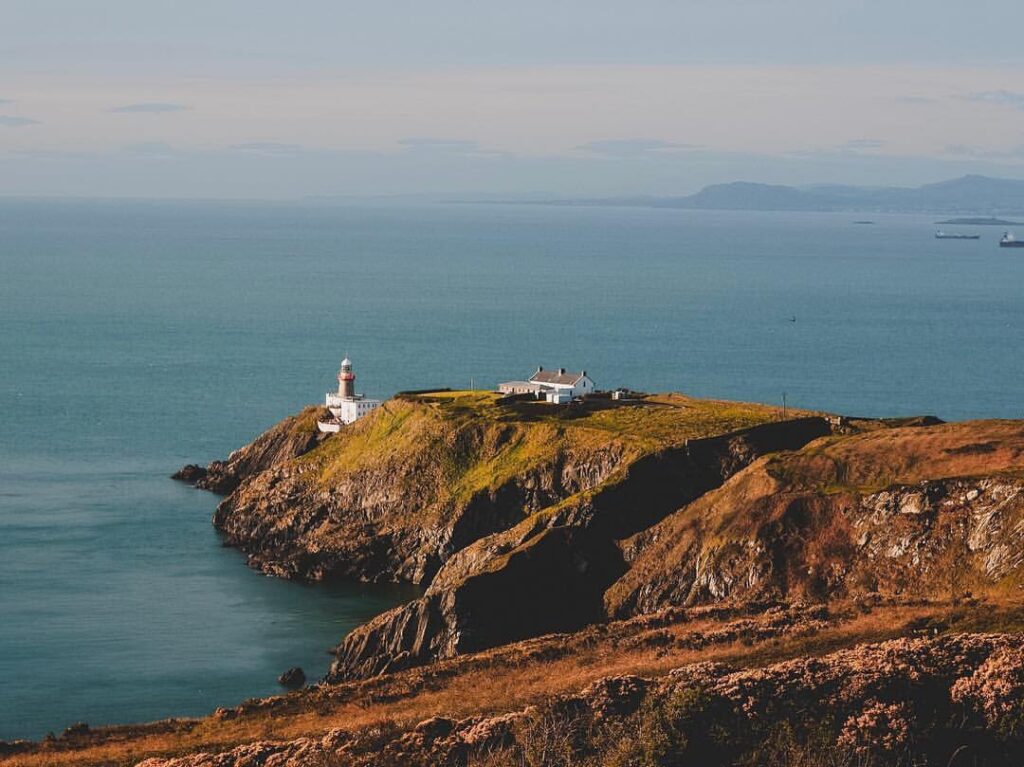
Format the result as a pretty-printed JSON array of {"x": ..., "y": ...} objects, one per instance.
[{"x": 346, "y": 363}]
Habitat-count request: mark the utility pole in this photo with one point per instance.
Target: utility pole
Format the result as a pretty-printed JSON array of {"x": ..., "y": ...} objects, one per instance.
[{"x": 784, "y": 412}]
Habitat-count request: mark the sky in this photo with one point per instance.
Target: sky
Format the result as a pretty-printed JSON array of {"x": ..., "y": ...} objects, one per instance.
[{"x": 561, "y": 98}]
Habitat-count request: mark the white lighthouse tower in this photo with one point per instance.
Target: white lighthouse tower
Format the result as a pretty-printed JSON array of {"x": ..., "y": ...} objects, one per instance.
[{"x": 346, "y": 406}]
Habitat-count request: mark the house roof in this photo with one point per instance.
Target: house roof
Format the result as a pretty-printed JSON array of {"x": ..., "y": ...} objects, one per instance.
[
  {"x": 532, "y": 385},
  {"x": 560, "y": 376}
]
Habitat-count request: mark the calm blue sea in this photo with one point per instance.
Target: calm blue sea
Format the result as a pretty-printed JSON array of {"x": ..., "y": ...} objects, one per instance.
[{"x": 137, "y": 336}]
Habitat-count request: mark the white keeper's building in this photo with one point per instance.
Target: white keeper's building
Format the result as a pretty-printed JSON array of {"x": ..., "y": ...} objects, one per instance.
[{"x": 556, "y": 386}]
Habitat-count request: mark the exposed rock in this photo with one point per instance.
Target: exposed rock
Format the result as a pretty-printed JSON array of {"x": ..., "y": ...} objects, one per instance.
[
  {"x": 812, "y": 524},
  {"x": 292, "y": 437},
  {"x": 293, "y": 677},
  {"x": 190, "y": 473}
]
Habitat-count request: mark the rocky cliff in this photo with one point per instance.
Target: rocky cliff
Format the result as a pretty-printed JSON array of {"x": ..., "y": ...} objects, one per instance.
[
  {"x": 924, "y": 512},
  {"x": 395, "y": 495},
  {"x": 508, "y": 510}
]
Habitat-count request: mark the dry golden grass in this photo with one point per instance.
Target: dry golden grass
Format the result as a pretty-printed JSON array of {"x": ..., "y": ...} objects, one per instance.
[
  {"x": 875, "y": 460},
  {"x": 506, "y": 679}
]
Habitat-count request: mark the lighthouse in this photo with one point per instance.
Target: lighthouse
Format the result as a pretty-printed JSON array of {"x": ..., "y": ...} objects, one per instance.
[
  {"x": 346, "y": 380},
  {"x": 346, "y": 406}
]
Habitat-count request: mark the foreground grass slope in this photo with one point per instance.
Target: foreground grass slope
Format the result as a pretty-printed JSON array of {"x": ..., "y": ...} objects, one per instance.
[{"x": 357, "y": 723}]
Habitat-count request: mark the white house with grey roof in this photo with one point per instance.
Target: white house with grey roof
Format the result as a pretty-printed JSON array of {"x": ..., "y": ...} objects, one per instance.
[{"x": 556, "y": 386}]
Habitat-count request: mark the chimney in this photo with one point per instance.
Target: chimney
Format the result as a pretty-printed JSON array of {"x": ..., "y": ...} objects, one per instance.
[
  {"x": 561, "y": 371},
  {"x": 584, "y": 373},
  {"x": 540, "y": 368}
]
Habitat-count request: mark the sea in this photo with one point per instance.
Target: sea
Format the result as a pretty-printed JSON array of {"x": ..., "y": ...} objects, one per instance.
[{"x": 137, "y": 336}]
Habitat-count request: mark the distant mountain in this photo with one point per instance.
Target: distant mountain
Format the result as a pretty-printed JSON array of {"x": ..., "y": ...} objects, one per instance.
[{"x": 966, "y": 195}]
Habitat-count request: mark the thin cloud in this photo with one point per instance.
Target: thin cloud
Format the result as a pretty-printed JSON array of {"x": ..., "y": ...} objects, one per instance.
[
  {"x": 9, "y": 121},
  {"x": 634, "y": 147},
  {"x": 149, "y": 107},
  {"x": 1001, "y": 97}
]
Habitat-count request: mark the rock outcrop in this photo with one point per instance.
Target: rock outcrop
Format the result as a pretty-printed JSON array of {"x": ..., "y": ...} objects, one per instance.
[
  {"x": 925, "y": 512},
  {"x": 293, "y": 677},
  {"x": 292, "y": 437}
]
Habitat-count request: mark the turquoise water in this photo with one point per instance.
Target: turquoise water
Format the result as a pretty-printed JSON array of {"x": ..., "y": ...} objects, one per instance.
[{"x": 135, "y": 337}]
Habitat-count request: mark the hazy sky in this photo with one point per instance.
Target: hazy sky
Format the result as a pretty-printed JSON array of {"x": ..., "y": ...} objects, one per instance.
[{"x": 564, "y": 97}]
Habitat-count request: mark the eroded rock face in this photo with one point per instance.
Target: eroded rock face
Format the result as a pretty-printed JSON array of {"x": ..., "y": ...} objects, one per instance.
[
  {"x": 549, "y": 572},
  {"x": 393, "y": 519},
  {"x": 879, "y": 699},
  {"x": 770, "y": 533}
]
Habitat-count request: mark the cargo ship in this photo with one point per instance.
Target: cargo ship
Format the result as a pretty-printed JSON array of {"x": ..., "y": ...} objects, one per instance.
[
  {"x": 941, "y": 235},
  {"x": 1009, "y": 241}
]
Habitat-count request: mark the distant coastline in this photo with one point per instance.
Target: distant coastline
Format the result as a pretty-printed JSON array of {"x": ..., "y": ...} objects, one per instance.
[{"x": 969, "y": 195}]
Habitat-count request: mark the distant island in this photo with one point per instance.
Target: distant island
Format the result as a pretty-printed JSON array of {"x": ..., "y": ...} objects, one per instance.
[
  {"x": 981, "y": 221},
  {"x": 968, "y": 195}
]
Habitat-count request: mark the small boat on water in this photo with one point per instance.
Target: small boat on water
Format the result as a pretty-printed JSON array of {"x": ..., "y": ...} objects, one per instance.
[
  {"x": 941, "y": 235},
  {"x": 1009, "y": 241}
]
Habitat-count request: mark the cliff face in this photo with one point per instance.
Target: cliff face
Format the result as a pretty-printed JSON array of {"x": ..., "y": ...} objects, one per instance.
[
  {"x": 924, "y": 512},
  {"x": 548, "y": 573},
  {"x": 395, "y": 495}
]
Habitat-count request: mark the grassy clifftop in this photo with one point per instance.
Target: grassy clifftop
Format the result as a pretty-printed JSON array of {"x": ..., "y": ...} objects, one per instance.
[
  {"x": 481, "y": 441},
  {"x": 477, "y": 442},
  {"x": 873, "y": 461}
]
